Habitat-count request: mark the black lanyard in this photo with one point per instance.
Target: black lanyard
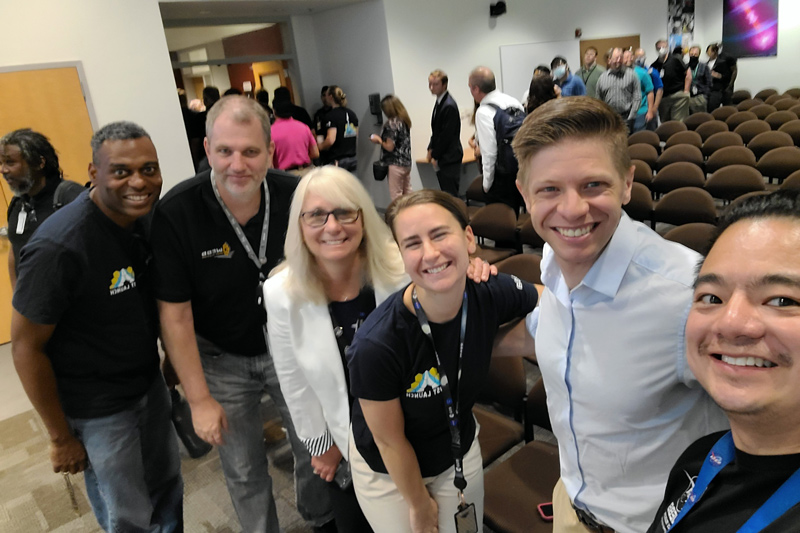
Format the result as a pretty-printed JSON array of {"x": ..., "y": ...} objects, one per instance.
[{"x": 451, "y": 407}]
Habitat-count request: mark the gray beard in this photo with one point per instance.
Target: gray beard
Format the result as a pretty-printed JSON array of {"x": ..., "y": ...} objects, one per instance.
[{"x": 24, "y": 186}]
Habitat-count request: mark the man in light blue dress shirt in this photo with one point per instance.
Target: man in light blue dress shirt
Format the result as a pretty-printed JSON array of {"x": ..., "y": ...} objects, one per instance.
[{"x": 609, "y": 332}]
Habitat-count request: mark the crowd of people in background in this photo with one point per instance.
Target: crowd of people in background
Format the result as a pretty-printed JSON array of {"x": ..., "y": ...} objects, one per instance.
[{"x": 669, "y": 88}]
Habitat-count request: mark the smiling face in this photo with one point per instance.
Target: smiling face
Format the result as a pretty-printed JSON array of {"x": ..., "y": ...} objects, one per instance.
[
  {"x": 434, "y": 247},
  {"x": 743, "y": 331},
  {"x": 126, "y": 179},
  {"x": 335, "y": 241},
  {"x": 239, "y": 155},
  {"x": 575, "y": 196}
]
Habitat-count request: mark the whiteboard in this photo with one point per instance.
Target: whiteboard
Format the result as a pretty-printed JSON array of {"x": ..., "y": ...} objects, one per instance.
[{"x": 517, "y": 62}]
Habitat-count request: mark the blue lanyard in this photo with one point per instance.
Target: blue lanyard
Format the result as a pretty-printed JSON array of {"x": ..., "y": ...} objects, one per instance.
[
  {"x": 452, "y": 407},
  {"x": 723, "y": 452}
]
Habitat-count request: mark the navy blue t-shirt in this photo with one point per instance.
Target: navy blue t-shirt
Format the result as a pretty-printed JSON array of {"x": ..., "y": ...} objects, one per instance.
[
  {"x": 89, "y": 277},
  {"x": 391, "y": 358}
]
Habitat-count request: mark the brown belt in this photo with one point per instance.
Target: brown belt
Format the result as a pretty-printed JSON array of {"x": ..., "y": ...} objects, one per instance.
[{"x": 587, "y": 519}]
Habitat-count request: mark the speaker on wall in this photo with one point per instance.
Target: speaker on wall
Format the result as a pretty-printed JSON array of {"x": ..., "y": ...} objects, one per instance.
[{"x": 375, "y": 106}]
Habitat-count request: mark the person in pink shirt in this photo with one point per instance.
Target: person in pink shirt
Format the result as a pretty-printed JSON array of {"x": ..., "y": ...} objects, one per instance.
[{"x": 295, "y": 145}]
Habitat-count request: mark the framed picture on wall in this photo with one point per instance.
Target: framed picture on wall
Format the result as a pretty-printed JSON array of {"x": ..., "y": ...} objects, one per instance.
[{"x": 750, "y": 28}]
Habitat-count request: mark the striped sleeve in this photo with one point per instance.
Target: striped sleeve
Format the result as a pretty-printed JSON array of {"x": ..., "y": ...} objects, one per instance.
[{"x": 319, "y": 445}]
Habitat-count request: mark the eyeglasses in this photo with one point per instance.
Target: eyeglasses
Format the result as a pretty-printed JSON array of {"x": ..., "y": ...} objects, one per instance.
[{"x": 318, "y": 217}]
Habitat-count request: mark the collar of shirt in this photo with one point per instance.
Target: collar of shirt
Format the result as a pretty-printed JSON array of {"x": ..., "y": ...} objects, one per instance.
[
  {"x": 441, "y": 97},
  {"x": 606, "y": 274}
]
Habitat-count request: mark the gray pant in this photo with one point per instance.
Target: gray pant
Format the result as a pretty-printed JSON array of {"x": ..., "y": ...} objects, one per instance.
[{"x": 238, "y": 384}]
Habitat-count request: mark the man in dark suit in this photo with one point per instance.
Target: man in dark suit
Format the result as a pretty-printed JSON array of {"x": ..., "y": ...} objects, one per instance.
[{"x": 444, "y": 150}]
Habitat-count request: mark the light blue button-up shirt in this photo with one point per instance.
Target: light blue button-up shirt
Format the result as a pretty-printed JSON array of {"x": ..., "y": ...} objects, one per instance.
[{"x": 622, "y": 400}]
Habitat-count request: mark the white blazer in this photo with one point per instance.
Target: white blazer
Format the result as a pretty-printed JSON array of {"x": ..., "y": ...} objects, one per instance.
[{"x": 308, "y": 363}]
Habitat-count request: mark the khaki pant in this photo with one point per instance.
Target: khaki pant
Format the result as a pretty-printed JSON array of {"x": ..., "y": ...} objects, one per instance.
[
  {"x": 564, "y": 518},
  {"x": 674, "y": 107}
]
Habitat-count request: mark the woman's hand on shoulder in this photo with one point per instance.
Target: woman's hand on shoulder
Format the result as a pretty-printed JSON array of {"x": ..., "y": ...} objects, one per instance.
[{"x": 479, "y": 270}]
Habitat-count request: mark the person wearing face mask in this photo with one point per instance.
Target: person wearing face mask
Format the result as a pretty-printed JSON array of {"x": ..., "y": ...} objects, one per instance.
[
  {"x": 677, "y": 80},
  {"x": 701, "y": 81},
  {"x": 570, "y": 85},
  {"x": 640, "y": 59},
  {"x": 663, "y": 52},
  {"x": 723, "y": 75}
]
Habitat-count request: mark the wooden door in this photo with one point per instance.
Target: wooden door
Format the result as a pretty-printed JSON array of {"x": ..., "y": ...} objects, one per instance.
[{"x": 50, "y": 101}]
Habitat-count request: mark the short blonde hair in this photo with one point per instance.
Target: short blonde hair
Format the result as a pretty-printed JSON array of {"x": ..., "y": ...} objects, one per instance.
[
  {"x": 574, "y": 118},
  {"x": 382, "y": 262}
]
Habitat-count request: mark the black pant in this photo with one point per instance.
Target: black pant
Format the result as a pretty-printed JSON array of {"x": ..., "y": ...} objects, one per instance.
[
  {"x": 346, "y": 512},
  {"x": 449, "y": 176},
  {"x": 718, "y": 98}
]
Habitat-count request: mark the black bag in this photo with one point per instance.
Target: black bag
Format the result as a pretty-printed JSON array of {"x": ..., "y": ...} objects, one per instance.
[
  {"x": 506, "y": 125},
  {"x": 380, "y": 170}
]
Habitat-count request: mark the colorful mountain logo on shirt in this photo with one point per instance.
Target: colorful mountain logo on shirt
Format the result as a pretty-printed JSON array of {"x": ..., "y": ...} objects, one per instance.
[
  {"x": 223, "y": 252},
  {"x": 122, "y": 280},
  {"x": 425, "y": 385}
]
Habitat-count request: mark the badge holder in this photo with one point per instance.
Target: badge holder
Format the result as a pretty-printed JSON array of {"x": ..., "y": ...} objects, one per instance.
[{"x": 466, "y": 518}]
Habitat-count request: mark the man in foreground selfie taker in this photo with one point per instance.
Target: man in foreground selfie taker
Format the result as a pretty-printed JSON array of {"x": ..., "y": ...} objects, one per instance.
[
  {"x": 609, "y": 330},
  {"x": 742, "y": 343}
]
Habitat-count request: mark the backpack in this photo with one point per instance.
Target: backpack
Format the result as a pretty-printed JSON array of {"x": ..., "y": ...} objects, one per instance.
[
  {"x": 506, "y": 125},
  {"x": 66, "y": 192}
]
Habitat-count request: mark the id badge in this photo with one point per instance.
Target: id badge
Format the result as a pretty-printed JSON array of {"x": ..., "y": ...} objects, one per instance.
[
  {"x": 23, "y": 217},
  {"x": 466, "y": 519}
]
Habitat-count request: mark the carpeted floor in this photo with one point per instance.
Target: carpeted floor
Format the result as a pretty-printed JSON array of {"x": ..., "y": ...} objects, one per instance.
[{"x": 34, "y": 499}]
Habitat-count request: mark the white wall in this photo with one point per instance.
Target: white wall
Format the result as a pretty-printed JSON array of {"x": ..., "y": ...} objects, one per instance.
[
  {"x": 351, "y": 50},
  {"x": 125, "y": 59},
  {"x": 755, "y": 73}
]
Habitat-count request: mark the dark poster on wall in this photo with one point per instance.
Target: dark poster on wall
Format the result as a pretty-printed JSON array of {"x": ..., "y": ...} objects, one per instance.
[{"x": 750, "y": 28}]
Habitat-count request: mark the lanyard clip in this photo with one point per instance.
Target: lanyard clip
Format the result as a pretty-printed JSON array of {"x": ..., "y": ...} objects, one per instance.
[{"x": 462, "y": 503}]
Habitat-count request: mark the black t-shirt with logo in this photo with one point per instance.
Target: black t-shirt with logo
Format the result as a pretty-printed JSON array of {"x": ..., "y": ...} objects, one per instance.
[
  {"x": 391, "y": 358},
  {"x": 89, "y": 277},
  {"x": 732, "y": 497},
  {"x": 346, "y": 123},
  {"x": 198, "y": 257}
]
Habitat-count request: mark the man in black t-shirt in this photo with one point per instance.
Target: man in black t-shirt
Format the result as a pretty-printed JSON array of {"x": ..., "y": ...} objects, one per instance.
[
  {"x": 677, "y": 79},
  {"x": 30, "y": 166},
  {"x": 215, "y": 239},
  {"x": 743, "y": 344},
  {"x": 84, "y": 331}
]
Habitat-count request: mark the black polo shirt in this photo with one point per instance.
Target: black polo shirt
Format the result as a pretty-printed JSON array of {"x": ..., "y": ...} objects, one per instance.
[
  {"x": 674, "y": 75},
  {"x": 89, "y": 277},
  {"x": 199, "y": 258}
]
